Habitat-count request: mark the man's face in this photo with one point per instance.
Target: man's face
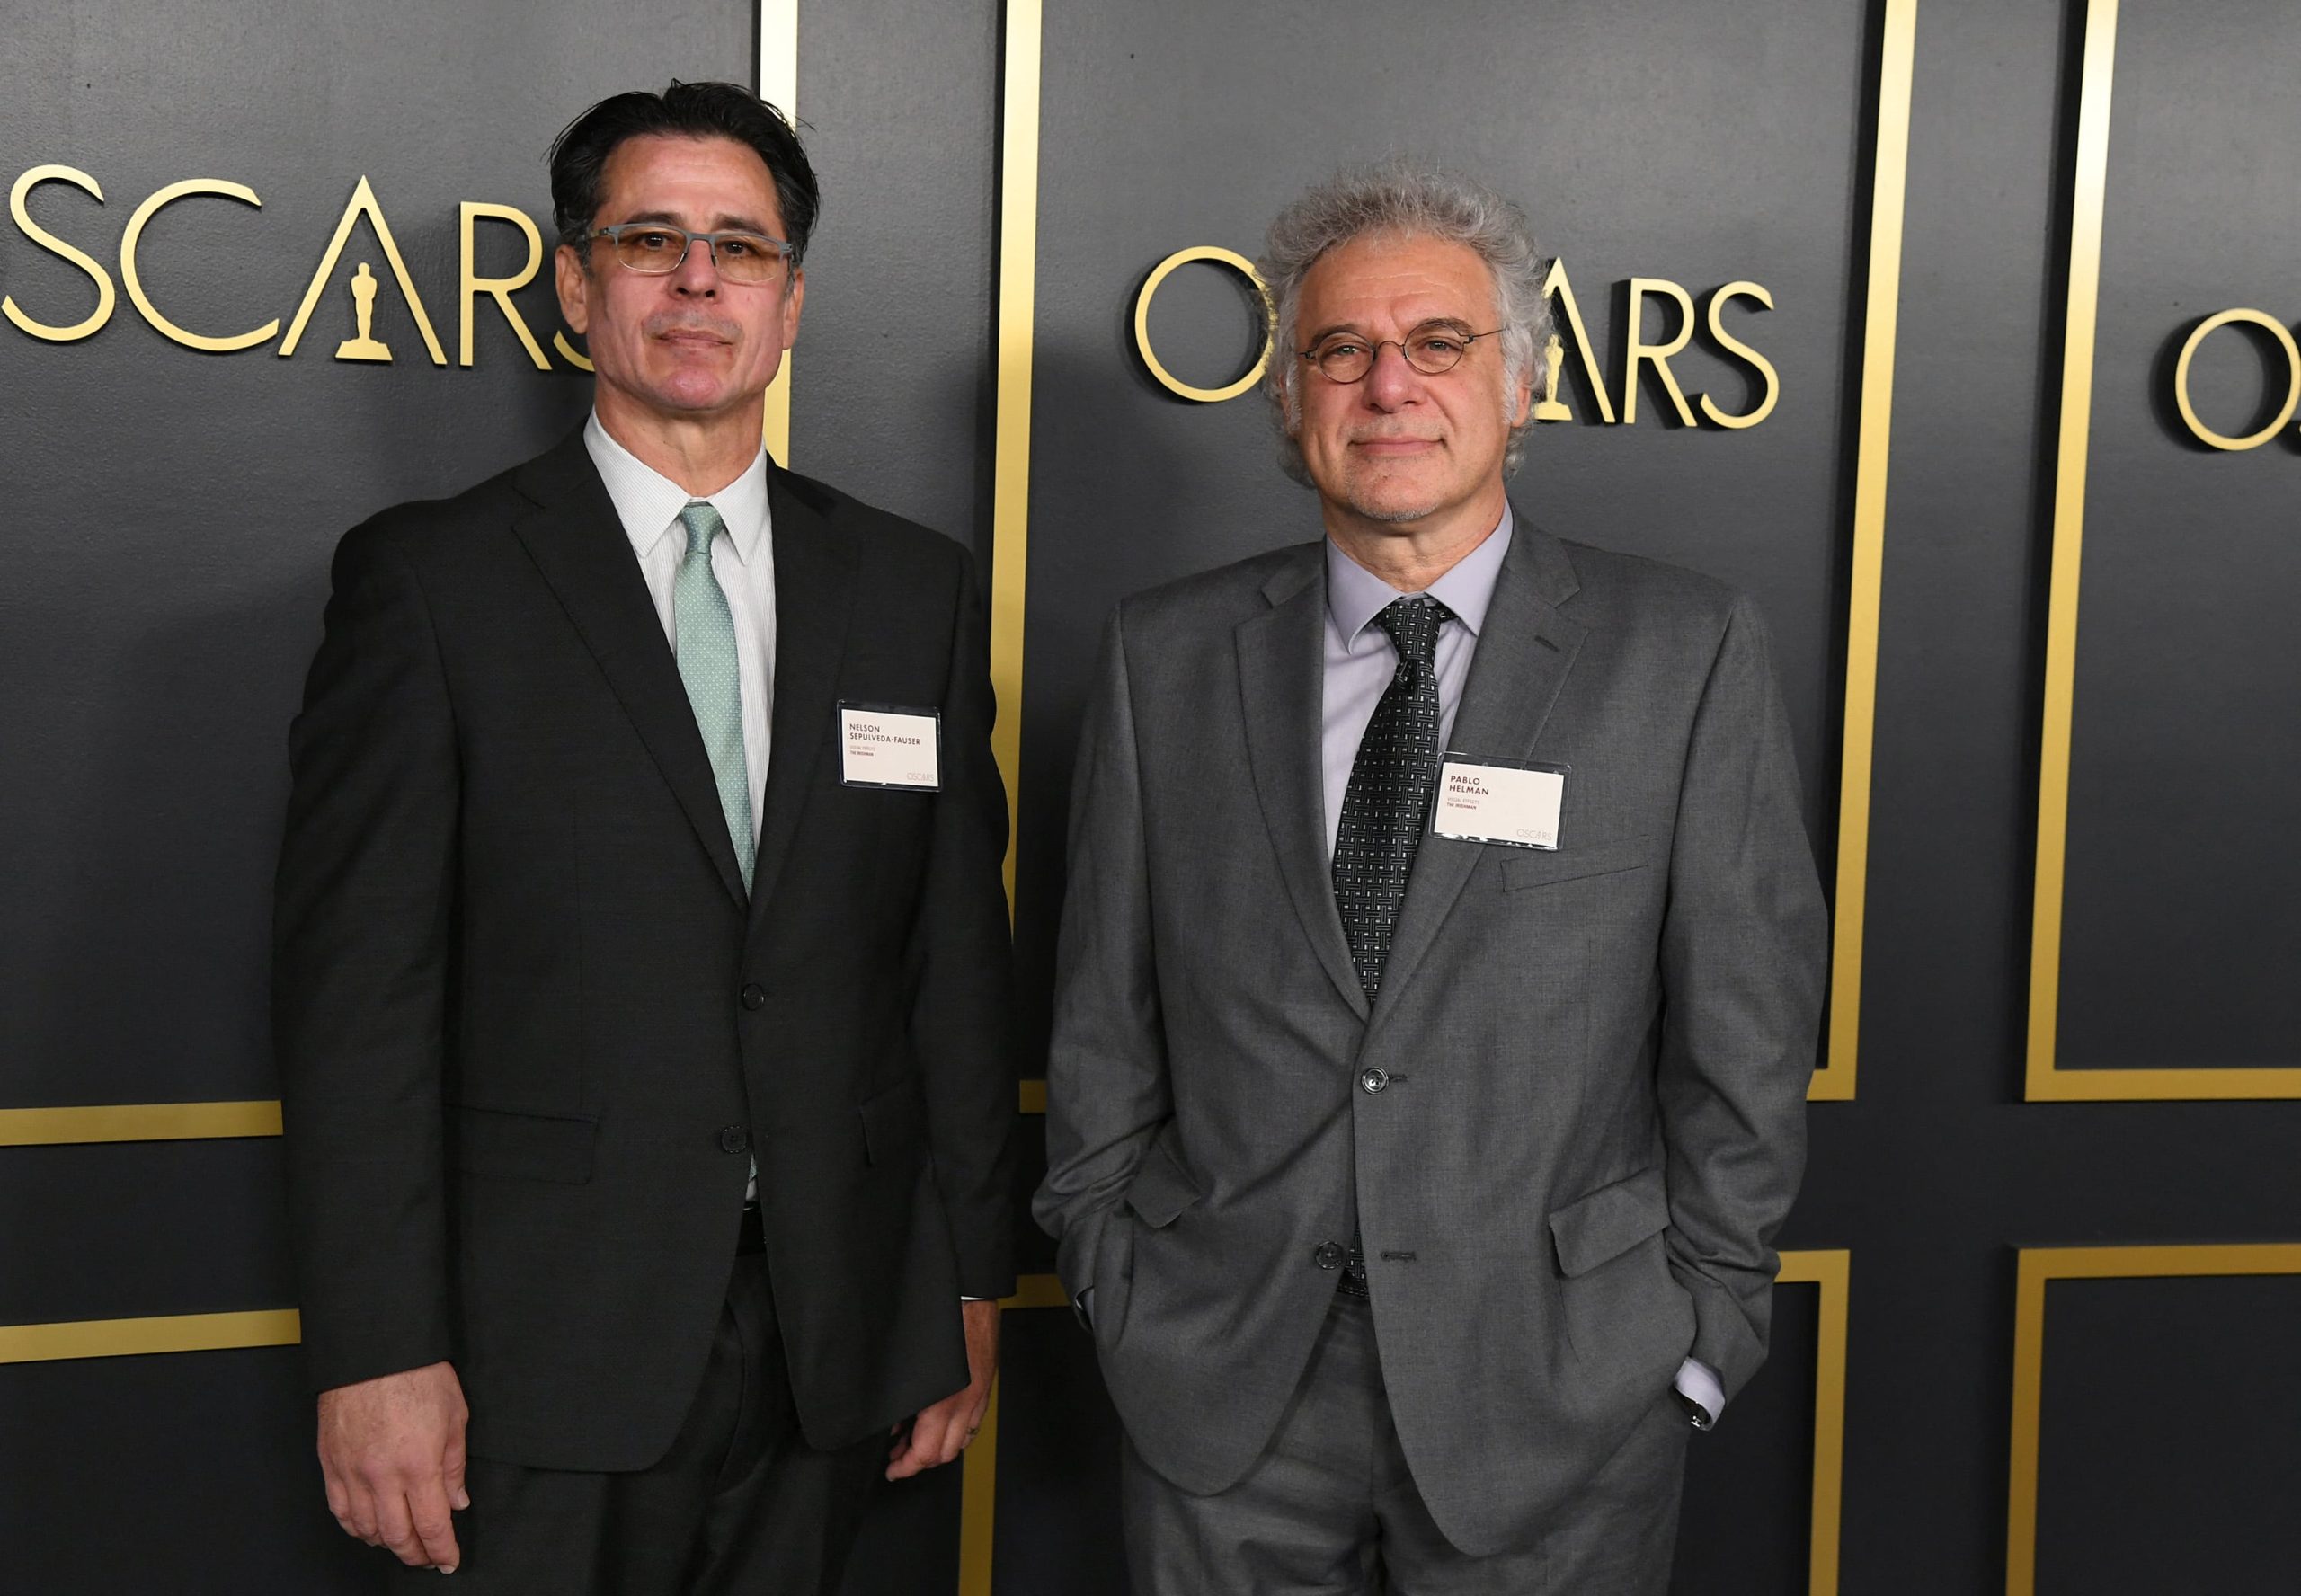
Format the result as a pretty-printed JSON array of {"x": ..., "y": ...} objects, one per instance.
[
  {"x": 1398, "y": 446},
  {"x": 687, "y": 345}
]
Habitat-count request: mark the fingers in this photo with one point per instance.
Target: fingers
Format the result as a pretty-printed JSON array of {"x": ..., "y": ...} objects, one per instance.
[
  {"x": 452, "y": 1475},
  {"x": 435, "y": 1530},
  {"x": 938, "y": 1436},
  {"x": 354, "y": 1507},
  {"x": 904, "y": 1463},
  {"x": 396, "y": 1531}
]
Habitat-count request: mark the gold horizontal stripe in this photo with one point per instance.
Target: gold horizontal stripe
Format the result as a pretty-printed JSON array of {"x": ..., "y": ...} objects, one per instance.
[
  {"x": 2164, "y": 1086},
  {"x": 170, "y": 1333},
  {"x": 1036, "y": 1290},
  {"x": 138, "y": 1121}
]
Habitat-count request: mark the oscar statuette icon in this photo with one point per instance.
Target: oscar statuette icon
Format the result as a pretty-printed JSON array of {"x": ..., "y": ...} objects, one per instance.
[
  {"x": 364, "y": 347},
  {"x": 1553, "y": 361}
]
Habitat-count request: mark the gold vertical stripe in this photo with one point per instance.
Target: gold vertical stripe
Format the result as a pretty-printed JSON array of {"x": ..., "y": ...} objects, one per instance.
[
  {"x": 1835, "y": 1082},
  {"x": 2037, "y": 1266},
  {"x": 2028, "y": 1381},
  {"x": 138, "y": 1121},
  {"x": 173, "y": 1333},
  {"x": 2068, "y": 531},
  {"x": 778, "y": 85},
  {"x": 1018, "y": 233},
  {"x": 978, "y": 1489},
  {"x": 1011, "y": 494},
  {"x": 1831, "y": 1270}
]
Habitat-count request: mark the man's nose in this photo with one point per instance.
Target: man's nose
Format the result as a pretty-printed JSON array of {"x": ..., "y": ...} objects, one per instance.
[
  {"x": 1391, "y": 380},
  {"x": 698, "y": 272}
]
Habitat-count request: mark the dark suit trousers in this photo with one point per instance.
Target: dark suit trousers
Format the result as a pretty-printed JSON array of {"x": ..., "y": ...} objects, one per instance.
[
  {"x": 1331, "y": 1509},
  {"x": 740, "y": 1502}
]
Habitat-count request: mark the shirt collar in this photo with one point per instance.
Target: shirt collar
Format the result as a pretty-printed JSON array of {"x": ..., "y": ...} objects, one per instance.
[
  {"x": 648, "y": 504},
  {"x": 1356, "y": 595}
]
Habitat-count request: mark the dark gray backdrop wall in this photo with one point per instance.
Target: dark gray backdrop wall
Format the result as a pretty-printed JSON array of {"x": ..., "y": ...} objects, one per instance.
[{"x": 170, "y": 513}]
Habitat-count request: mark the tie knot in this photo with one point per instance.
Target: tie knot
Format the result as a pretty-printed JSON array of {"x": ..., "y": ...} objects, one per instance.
[
  {"x": 703, "y": 524},
  {"x": 1413, "y": 624}
]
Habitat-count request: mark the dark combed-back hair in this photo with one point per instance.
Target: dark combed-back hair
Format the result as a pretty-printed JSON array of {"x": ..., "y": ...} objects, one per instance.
[{"x": 579, "y": 155}]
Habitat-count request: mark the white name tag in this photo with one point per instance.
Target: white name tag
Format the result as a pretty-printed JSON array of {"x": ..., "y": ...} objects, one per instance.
[
  {"x": 890, "y": 748},
  {"x": 1508, "y": 803}
]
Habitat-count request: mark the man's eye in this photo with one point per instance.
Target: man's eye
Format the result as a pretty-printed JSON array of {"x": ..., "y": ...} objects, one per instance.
[
  {"x": 1342, "y": 346},
  {"x": 738, "y": 247},
  {"x": 1439, "y": 343},
  {"x": 650, "y": 241}
]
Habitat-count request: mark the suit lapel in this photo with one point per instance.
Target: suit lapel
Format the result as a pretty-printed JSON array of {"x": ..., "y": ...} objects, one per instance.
[
  {"x": 577, "y": 542},
  {"x": 814, "y": 600},
  {"x": 1281, "y": 668},
  {"x": 1525, "y": 651}
]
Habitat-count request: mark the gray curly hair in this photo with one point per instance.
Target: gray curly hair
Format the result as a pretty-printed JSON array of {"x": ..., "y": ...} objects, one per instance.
[{"x": 1403, "y": 195}]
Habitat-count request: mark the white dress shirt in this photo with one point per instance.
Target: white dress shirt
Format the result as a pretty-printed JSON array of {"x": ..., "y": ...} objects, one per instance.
[
  {"x": 648, "y": 504},
  {"x": 1360, "y": 662}
]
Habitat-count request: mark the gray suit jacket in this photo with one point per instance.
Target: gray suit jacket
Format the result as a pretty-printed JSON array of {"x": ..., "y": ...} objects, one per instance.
[{"x": 1597, "y": 1057}]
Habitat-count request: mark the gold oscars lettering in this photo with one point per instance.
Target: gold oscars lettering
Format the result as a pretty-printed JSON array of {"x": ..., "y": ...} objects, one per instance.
[
  {"x": 1640, "y": 356},
  {"x": 1159, "y": 273},
  {"x": 364, "y": 285},
  {"x": 2281, "y": 339}
]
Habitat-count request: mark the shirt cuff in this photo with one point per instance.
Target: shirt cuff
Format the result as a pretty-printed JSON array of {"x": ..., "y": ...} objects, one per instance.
[{"x": 1698, "y": 1382}]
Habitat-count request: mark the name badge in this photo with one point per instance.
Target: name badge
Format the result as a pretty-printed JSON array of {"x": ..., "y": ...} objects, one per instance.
[
  {"x": 1513, "y": 804},
  {"x": 883, "y": 746}
]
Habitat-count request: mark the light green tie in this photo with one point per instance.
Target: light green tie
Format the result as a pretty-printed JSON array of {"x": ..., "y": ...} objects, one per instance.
[{"x": 706, "y": 651}]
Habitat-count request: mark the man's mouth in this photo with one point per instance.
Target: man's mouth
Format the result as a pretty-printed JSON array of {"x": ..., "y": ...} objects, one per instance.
[{"x": 692, "y": 335}]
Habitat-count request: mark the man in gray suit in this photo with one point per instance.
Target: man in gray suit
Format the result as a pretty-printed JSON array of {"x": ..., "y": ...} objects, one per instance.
[{"x": 1439, "y": 981}]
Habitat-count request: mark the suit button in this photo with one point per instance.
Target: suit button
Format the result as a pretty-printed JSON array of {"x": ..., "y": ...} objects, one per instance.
[
  {"x": 1374, "y": 1081},
  {"x": 734, "y": 1139},
  {"x": 1330, "y": 1255},
  {"x": 754, "y": 995}
]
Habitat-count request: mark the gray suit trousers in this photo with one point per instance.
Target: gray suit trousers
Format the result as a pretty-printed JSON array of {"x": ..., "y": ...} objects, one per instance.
[{"x": 1330, "y": 1507}]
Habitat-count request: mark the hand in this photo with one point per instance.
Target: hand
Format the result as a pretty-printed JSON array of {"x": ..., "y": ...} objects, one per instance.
[
  {"x": 392, "y": 1450},
  {"x": 941, "y": 1433}
]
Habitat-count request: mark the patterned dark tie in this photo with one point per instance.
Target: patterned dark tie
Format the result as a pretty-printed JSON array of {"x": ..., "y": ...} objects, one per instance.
[
  {"x": 1383, "y": 812},
  {"x": 1391, "y": 780}
]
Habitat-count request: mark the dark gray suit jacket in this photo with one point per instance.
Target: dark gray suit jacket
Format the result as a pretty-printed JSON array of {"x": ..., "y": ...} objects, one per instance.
[{"x": 1596, "y": 1058}]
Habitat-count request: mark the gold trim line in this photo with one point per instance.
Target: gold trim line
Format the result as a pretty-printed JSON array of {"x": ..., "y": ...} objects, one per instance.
[
  {"x": 778, "y": 85},
  {"x": 2086, "y": 207},
  {"x": 171, "y": 1333},
  {"x": 1881, "y": 308},
  {"x": 138, "y": 1121}
]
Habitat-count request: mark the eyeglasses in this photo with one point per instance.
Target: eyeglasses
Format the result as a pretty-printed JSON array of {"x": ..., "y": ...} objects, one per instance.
[
  {"x": 657, "y": 249},
  {"x": 1433, "y": 350}
]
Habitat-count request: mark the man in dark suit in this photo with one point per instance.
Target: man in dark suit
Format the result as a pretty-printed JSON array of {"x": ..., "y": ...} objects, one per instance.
[
  {"x": 642, "y": 969},
  {"x": 1438, "y": 983}
]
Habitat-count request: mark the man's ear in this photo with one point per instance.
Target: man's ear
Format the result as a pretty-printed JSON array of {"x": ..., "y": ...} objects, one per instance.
[
  {"x": 574, "y": 284},
  {"x": 794, "y": 296}
]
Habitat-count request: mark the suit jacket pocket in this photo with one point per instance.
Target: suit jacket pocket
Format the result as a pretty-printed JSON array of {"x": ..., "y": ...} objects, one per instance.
[
  {"x": 1609, "y": 1222},
  {"x": 551, "y": 1147},
  {"x": 1531, "y": 867},
  {"x": 891, "y": 1124},
  {"x": 1626, "y": 1315},
  {"x": 1160, "y": 1190}
]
